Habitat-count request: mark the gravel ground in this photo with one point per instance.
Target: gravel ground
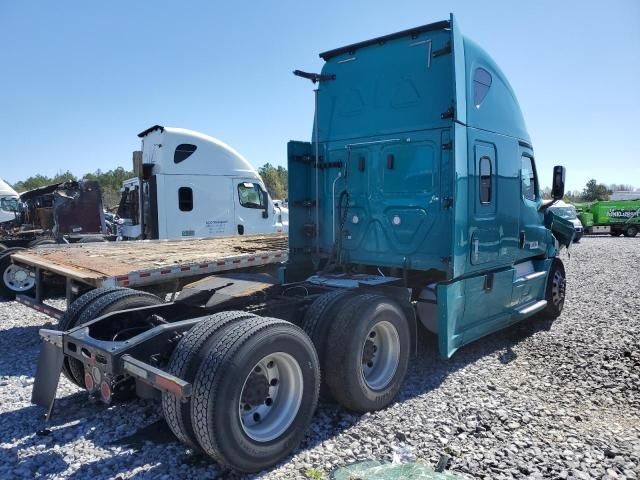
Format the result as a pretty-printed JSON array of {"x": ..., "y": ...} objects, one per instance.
[{"x": 539, "y": 400}]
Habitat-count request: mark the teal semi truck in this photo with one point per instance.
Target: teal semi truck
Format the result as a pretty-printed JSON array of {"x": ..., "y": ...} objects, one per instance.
[
  {"x": 613, "y": 217},
  {"x": 416, "y": 205}
]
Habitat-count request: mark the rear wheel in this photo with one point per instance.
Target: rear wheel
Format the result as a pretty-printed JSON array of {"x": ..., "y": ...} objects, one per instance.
[
  {"x": 631, "y": 231},
  {"x": 184, "y": 363},
  {"x": 255, "y": 393},
  {"x": 368, "y": 353},
  {"x": 71, "y": 316},
  {"x": 317, "y": 323},
  {"x": 123, "y": 299},
  {"x": 41, "y": 241},
  {"x": 15, "y": 278},
  {"x": 555, "y": 291}
]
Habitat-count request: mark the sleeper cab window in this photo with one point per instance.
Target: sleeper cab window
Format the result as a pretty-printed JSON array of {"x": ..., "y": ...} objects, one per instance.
[
  {"x": 185, "y": 199},
  {"x": 250, "y": 195},
  {"x": 528, "y": 178},
  {"x": 481, "y": 85},
  {"x": 183, "y": 151},
  {"x": 485, "y": 179}
]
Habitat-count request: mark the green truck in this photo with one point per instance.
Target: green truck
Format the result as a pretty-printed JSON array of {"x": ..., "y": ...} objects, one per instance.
[{"x": 613, "y": 217}]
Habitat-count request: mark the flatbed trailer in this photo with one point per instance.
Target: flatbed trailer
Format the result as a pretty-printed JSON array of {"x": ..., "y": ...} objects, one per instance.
[{"x": 147, "y": 263}]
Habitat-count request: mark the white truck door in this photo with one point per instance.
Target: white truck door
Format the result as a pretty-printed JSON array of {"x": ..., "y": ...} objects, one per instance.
[
  {"x": 253, "y": 209},
  {"x": 197, "y": 206}
]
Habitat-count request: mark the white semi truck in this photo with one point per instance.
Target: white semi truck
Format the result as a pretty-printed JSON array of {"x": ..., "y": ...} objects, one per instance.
[
  {"x": 8, "y": 202},
  {"x": 191, "y": 185}
]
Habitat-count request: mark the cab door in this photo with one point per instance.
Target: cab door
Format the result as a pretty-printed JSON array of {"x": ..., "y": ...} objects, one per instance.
[
  {"x": 533, "y": 234},
  {"x": 253, "y": 213}
]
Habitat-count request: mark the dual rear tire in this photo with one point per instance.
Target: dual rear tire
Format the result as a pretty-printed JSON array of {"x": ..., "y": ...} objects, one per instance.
[{"x": 255, "y": 389}]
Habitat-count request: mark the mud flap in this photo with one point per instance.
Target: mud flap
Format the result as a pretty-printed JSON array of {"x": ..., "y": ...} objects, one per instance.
[{"x": 47, "y": 376}]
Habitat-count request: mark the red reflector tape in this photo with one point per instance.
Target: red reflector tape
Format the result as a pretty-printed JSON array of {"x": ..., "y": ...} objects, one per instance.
[
  {"x": 265, "y": 257},
  {"x": 122, "y": 279},
  {"x": 220, "y": 263},
  {"x": 236, "y": 261},
  {"x": 168, "y": 385},
  {"x": 251, "y": 259},
  {"x": 204, "y": 265},
  {"x": 278, "y": 255},
  {"x": 164, "y": 272},
  {"x": 185, "y": 269},
  {"x": 145, "y": 274}
]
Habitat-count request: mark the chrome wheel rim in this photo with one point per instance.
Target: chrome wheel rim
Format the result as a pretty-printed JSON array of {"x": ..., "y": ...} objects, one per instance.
[
  {"x": 557, "y": 289},
  {"x": 380, "y": 355},
  {"x": 271, "y": 396},
  {"x": 18, "y": 279}
]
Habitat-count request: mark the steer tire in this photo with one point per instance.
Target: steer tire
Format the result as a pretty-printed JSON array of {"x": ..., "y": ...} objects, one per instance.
[
  {"x": 317, "y": 323},
  {"x": 631, "y": 231},
  {"x": 5, "y": 262},
  {"x": 351, "y": 341},
  {"x": 71, "y": 316},
  {"x": 111, "y": 302},
  {"x": 221, "y": 385},
  {"x": 554, "y": 291},
  {"x": 184, "y": 363}
]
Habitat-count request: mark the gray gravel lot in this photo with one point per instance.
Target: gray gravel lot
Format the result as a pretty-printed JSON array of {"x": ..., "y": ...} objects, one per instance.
[{"x": 539, "y": 400}]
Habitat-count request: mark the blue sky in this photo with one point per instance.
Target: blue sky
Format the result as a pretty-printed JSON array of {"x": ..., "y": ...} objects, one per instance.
[{"x": 80, "y": 79}]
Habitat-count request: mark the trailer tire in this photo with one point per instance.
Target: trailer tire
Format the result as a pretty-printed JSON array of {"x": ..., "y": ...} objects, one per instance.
[
  {"x": 368, "y": 364},
  {"x": 184, "y": 363},
  {"x": 5, "y": 264},
  {"x": 631, "y": 231},
  {"x": 41, "y": 241},
  {"x": 555, "y": 291},
  {"x": 255, "y": 393},
  {"x": 70, "y": 318},
  {"x": 92, "y": 239},
  {"x": 317, "y": 323},
  {"x": 111, "y": 302}
]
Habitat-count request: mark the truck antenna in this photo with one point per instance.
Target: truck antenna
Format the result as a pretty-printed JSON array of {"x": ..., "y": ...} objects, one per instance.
[{"x": 316, "y": 78}]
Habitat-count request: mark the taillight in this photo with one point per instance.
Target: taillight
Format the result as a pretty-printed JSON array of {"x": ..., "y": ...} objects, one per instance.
[{"x": 105, "y": 392}]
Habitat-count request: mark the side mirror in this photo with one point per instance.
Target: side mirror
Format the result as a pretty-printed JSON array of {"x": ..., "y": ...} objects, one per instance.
[{"x": 557, "y": 186}]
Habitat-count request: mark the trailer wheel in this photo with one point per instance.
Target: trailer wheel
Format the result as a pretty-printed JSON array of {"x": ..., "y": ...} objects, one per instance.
[
  {"x": 70, "y": 318},
  {"x": 41, "y": 241},
  {"x": 111, "y": 302},
  {"x": 255, "y": 393},
  {"x": 317, "y": 323},
  {"x": 14, "y": 279},
  {"x": 368, "y": 353},
  {"x": 631, "y": 231},
  {"x": 555, "y": 291},
  {"x": 92, "y": 239},
  {"x": 184, "y": 363}
]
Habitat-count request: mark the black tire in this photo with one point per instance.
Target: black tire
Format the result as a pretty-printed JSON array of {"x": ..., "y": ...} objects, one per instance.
[
  {"x": 111, "y": 302},
  {"x": 92, "y": 239},
  {"x": 41, "y": 241},
  {"x": 220, "y": 384},
  {"x": 5, "y": 262},
  {"x": 184, "y": 363},
  {"x": 631, "y": 231},
  {"x": 317, "y": 323},
  {"x": 352, "y": 340},
  {"x": 555, "y": 291},
  {"x": 71, "y": 316}
]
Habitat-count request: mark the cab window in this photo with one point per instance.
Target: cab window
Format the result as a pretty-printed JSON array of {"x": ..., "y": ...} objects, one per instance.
[
  {"x": 529, "y": 179},
  {"x": 251, "y": 195}
]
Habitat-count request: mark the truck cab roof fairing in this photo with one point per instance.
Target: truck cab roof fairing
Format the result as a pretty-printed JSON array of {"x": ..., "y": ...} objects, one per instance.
[{"x": 212, "y": 156}]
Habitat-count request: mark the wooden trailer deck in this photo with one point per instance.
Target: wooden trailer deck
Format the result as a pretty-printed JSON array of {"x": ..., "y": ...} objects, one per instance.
[{"x": 148, "y": 262}]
